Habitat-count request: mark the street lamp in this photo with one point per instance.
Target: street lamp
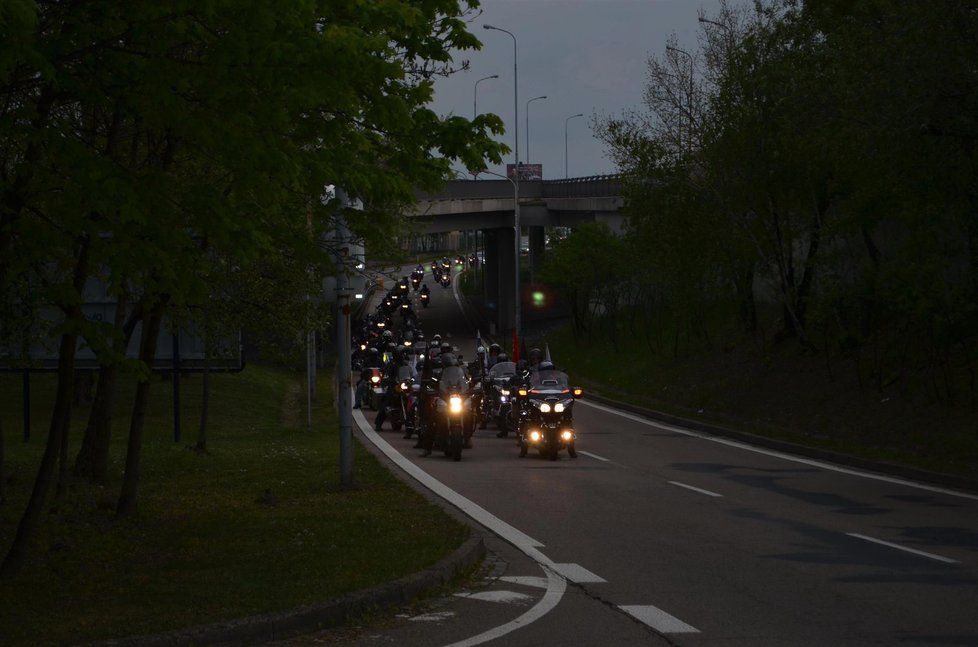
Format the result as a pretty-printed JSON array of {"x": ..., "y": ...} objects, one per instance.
[
  {"x": 689, "y": 100},
  {"x": 528, "y": 126},
  {"x": 475, "y": 93},
  {"x": 580, "y": 114},
  {"x": 516, "y": 185}
]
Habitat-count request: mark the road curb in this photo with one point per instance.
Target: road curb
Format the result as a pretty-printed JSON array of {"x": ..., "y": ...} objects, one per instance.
[
  {"x": 889, "y": 469},
  {"x": 268, "y": 627}
]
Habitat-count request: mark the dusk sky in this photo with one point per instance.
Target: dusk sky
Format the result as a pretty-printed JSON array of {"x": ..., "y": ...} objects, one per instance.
[{"x": 586, "y": 56}]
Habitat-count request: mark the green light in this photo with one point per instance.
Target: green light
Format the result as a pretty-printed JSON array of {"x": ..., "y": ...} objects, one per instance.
[{"x": 539, "y": 299}]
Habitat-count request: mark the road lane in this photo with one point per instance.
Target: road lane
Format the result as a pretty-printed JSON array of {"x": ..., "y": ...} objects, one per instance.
[{"x": 780, "y": 556}]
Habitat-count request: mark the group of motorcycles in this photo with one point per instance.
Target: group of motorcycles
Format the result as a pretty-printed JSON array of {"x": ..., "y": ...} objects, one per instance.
[{"x": 423, "y": 386}]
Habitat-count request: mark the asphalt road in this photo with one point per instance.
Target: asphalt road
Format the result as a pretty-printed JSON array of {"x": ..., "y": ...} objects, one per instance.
[{"x": 656, "y": 535}]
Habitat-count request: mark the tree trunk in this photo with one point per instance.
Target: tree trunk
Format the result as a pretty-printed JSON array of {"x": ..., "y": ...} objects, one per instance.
[
  {"x": 3, "y": 476},
  {"x": 60, "y": 418},
  {"x": 147, "y": 351},
  {"x": 92, "y": 461}
]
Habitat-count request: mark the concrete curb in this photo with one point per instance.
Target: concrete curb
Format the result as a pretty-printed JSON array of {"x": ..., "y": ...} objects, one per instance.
[
  {"x": 268, "y": 627},
  {"x": 889, "y": 469}
]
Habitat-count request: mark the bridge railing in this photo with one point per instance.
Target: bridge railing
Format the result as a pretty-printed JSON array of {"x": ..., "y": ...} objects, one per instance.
[{"x": 594, "y": 186}]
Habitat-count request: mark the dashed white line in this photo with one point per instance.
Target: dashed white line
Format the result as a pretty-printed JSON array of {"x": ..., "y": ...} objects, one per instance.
[
  {"x": 595, "y": 456},
  {"x": 694, "y": 489},
  {"x": 658, "y": 619},
  {"x": 914, "y": 551},
  {"x": 782, "y": 455}
]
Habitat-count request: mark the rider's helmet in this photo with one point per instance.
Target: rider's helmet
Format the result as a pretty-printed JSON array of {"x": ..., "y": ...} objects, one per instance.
[
  {"x": 388, "y": 336},
  {"x": 546, "y": 365},
  {"x": 436, "y": 340},
  {"x": 535, "y": 355},
  {"x": 502, "y": 357},
  {"x": 446, "y": 347},
  {"x": 480, "y": 351},
  {"x": 495, "y": 348}
]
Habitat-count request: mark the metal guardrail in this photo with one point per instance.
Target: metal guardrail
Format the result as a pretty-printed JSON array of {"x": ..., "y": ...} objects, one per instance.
[{"x": 594, "y": 186}]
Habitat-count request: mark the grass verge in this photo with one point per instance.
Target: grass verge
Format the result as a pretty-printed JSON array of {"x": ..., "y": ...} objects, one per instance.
[{"x": 257, "y": 524}]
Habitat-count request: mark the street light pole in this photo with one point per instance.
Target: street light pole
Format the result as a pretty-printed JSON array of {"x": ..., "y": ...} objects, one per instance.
[
  {"x": 516, "y": 186},
  {"x": 475, "y": 93},
  {"x": 580, "y": 114},
  {"x": 528, "y": 160}
]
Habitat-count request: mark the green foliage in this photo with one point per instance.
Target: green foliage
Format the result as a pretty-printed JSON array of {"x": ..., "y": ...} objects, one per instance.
[{"x": 832, "y": 177}]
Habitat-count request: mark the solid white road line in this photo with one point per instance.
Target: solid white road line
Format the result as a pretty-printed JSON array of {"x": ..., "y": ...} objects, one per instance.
[
  {"x": 782, "y": 455},
  {"x": 658, "y": 619},
  {"x": 694, "y": 489},
  {"x": 578, "y": 574},
  {"x": 921, "y": 553}
]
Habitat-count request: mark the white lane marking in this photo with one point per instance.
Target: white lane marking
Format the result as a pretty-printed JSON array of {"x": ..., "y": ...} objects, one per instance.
[
  {"x": 946, "y": 560},
  {"x": 483, "y": 516},
  {"x": 433, "y": 617},
  {"x": 658, "y": 619},
  {"x": 578, "y": 574},
  {"x": 694, "y": 489},
  {"x": 782, "y": 455},
  {"x": 556, "y": 586},
  {"x": 595, "y": 456},
  {"x": 504, "y": 597},
  {"x": 526, "y": 580}
]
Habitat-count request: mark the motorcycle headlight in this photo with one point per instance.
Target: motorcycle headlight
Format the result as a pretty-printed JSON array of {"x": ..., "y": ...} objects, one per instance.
[
  {"x": 503, "y": 399},
  {"x": 559, "y": 407},
  {"x": 405, "y": 386},
  {"x": 544, "y": 407},
  {"x": 535, "y": 436},
  {"x": 504, "y": 392},
  {"x": 455, "y": 404},
  {"x": 567, "y": 435},
  {"x": 375, "y": 379}
]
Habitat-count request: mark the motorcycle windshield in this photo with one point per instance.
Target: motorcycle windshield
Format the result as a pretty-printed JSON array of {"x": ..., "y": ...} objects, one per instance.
[
  {"x": 502, "y": 369},
  {"x": 545, "y": 381},
  {"x": 403, "y": 373},
  {"x": 452, "y": 377}
]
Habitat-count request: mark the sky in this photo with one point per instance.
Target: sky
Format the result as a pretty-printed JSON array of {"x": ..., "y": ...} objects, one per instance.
[{"x": 585, "y": 56}]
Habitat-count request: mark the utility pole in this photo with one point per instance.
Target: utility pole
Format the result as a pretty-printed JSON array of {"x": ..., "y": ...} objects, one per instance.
[{"x": 344, "y": 381}]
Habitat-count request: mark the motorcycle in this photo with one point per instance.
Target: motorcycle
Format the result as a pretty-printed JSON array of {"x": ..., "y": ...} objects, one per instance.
[
  {"x": 399, "y": 412},
  {"x": 453, "y": 413},
  {"x": 425, "y": 298},
  {"x": 445, "y": 280},
  {"x": 546, "y": 420},
  {"x": 496, "y": 401},
  {"x": 376, "y": 396}
]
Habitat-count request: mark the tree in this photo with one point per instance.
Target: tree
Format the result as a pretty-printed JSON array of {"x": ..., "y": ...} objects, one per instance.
[{"x": 146, "y": 135}]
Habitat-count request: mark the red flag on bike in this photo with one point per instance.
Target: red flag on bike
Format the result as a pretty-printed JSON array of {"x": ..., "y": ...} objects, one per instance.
[{"x": 516, "y": 348}]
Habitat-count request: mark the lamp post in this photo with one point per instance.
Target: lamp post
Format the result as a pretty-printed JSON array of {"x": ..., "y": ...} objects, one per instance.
[
  {"x": 528, "y": 125},
  {"x": 475, "y": 93},
  {"x": 516, "y": 183},
  {"x": 689, "y": 100},
  {"x": 580, "y": 114}
]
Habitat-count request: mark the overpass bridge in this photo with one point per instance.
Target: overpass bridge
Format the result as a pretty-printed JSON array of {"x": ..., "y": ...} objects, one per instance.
[{"x": 487, "y": 208}]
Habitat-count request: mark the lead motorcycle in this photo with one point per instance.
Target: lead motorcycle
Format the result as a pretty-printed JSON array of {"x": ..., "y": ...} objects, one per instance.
[
  {"x": 546, "y": 414},
  {"x": 453, "y": 415}
]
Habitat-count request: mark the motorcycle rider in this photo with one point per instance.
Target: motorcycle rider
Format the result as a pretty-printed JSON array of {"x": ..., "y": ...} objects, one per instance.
[
  {"x": 494, "y": 351},
  {"x": 398, "y": 359},
  {"x": 363, "y": 385}
]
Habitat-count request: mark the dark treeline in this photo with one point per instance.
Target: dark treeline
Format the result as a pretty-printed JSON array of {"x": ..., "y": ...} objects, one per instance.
[
  {"x": 806, "y": 175},
  {"x": 177, "y": 153}
]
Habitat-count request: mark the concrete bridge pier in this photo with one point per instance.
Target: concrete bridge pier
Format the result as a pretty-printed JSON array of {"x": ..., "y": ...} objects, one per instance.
[
  {"x": 537, "y": 242},
  {"x": 500, "y": 278}
]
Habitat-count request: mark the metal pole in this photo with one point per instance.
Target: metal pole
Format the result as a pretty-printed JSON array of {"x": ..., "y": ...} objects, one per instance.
[
  {"x": 176, "y": 387},
  {"x": 475, "y": 93},
  {"x": 516, "y": 184},
  {"x": 527, "y": 113},
  {"x": 343, "y": 365},
  {"x": 580, "y": 114},
  {"x": 27, "y": 404}
]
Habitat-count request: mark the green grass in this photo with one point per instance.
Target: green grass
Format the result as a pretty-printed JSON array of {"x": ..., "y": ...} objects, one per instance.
[
  {"x": 775, "y": 392},
  {"x": 203, "y": 547}
]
